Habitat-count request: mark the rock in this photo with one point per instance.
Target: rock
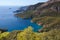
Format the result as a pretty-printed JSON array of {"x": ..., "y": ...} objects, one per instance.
[
  {"x": 3, "y": 30},
  {"x": 39, "y": 23}
]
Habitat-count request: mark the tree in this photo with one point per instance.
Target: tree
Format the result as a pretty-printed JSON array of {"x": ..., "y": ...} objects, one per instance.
[{"x": 27, "y": 34}]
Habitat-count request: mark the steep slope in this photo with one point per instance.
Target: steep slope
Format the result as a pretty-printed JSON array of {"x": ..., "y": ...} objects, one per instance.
[
  {"x": 29, "y": 12},
  {"x": 49, "y": 16},
  {"x": 46, "y": 14}
]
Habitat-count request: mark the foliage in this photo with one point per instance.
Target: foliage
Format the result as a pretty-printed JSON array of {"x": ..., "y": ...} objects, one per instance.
[
  {"x": 28, "y": 34},
  {"x": 4, "y": 35}
]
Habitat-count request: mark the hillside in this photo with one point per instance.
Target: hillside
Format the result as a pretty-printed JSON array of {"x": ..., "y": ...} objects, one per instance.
[
  {"x": 46, "y": 14},
  {"x": 28, "y": 34},
  {"x": 28, "y": 13}
]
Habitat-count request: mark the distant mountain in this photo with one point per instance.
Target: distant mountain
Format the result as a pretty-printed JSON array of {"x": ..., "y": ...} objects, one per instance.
[
  {"x": 28, "y": 13},
  {"x": 26, "y": 8},
  {"x": 21, "y": 9}
]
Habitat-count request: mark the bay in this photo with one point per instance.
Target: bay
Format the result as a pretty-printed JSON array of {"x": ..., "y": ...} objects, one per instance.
[{"x": 9, "y": 21}]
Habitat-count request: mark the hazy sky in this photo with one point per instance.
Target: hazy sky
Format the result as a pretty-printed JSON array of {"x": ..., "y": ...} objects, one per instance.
[{"x": 19, "y": 2}]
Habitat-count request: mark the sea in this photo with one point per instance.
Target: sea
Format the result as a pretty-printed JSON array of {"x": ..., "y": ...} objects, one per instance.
[{"x": 9, "y": 21}]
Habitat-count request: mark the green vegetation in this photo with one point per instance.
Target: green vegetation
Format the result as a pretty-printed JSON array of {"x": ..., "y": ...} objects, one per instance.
[
  {"x": 4, "y": 35},
  {"x": 28, "y": 34},
  {"x": 25, "y": 15}
]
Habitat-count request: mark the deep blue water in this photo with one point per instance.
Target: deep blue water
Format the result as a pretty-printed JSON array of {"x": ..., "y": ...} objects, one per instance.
[{"x": 11, "y": 22}]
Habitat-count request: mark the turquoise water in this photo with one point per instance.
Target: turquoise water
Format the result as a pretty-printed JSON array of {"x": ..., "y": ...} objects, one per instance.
[{"x": 11, "y": 22}]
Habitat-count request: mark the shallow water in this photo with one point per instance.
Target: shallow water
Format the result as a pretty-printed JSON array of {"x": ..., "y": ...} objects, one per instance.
[{"x": 11, "y": 22}]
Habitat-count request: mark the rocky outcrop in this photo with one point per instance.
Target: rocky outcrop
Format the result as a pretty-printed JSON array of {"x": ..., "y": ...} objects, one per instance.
[{"x": 3, "y": 30}]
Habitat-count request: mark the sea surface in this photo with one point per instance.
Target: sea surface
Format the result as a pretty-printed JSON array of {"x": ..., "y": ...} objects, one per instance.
[{"x": 9, "y": 21}]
